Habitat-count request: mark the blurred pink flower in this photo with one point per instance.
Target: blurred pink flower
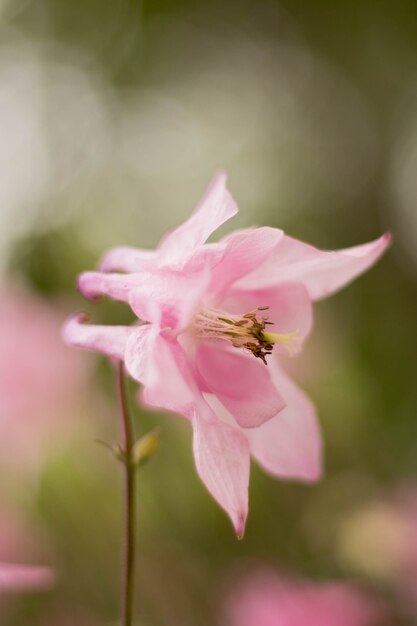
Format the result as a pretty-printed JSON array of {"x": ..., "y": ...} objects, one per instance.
[
  {"x": 24, "y": 577},
  {"x": 206, "y": 308},
  {"x": 39, "y": 377},
  {"x": 380, "y": 541},
  {"x": 265, "y": 599},
  {"x": 19, "y": 544}
]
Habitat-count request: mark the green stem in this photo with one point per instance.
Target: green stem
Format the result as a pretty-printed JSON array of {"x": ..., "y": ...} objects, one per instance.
[{"x": 129, "y": 503}]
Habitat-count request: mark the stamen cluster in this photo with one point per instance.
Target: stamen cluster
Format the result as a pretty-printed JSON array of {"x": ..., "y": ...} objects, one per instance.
[{"x": 243, "y": 331}]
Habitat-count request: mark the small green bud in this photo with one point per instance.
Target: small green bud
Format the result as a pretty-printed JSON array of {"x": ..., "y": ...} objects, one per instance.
[{"x": 145, "y": 447}]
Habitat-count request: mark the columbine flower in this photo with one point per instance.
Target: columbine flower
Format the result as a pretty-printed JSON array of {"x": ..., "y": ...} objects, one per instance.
[
  {"x": 212, "y": 316},
  {"x": 266, "y": 599}
]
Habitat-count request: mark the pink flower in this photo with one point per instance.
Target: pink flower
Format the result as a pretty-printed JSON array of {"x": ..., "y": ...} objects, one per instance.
[
  {"x": 19, "y": 543},
  {"x": 202, "y": 348},
  {"x": 39, "y": 377},
  {"x": 24, "y": 577},
  {"x": 380, "y": 541},
  {"x": 266, "y": 599}
]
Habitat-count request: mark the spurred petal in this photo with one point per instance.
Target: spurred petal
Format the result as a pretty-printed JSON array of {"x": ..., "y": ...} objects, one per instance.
[
  {"x": 127, "y": 259},
  {"x": 24, "y": 577},
  {"x": 118, "y": 286},
  {"x": 222, "y": 459},
  {"x": 289, "y": 445},
  {"x": 245, "y": 250},
  {"x": 110, "y": 340},
  {"x": 290, "y": 307},
  {"x": 241, "y": 383},
  {"x": 321, "y": 272},
  {"x": 216, "y": 207}
]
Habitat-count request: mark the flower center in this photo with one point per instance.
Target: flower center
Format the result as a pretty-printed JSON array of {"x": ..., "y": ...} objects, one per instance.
[{"x": 245, "y": 331}]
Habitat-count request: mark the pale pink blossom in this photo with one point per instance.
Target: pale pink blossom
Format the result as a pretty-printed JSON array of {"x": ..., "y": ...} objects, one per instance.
[
  {"x": 205, "y": 310},
  {"x": 39, "y": 377},
  {"x": 266, "y": 599},
  {"x": 380, "y": 541},
  {"x": 16, "y": 577},
  {"x": 18, "y": 544}
]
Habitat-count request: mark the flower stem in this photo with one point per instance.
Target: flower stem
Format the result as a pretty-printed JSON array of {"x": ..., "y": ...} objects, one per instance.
[{"x": 129, "y": 503}]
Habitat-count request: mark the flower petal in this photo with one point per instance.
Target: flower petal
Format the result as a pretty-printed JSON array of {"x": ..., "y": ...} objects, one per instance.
[
  {"x": 139, "y": 347},
  {"x": 290, "y": 307},
  {"x": 289, "y": 445},
  {"x": 222, "y": 459},
  {"x": 127, "y": 259},
  {"x": 118, "y": 286},
  {"x": 169, "y": 298},
  {"x": 241, "y": 383},
  {"x": 110, "y": 340},
  {"x": 322, "y": 272},
  {"x": 159, "y": 362},
  {"x": 245, "y": 250},
  {"x": 216, "y": 207}
]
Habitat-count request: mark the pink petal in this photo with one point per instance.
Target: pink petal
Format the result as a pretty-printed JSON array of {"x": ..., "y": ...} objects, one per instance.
[
  {"x": 221, "y": 452},
  {"x": 140, "y": 346},
  {"x": 221, "y": 455},
  {"x": 321, "y": 272},
  {"x": 24, "y": 577},
  {"x": 110, "y": 340},
  {"x": 206, "y": 257},
  {"x": 245, "y": 250},
  {"x": 289, "y": 445},
  {"x": 169, "y": 298},
  {"x": 290, "y": 307},
  {"x": 118, "y": 286},
  {"x": 241, "y": 382},
  {"x": 127, "y": 259},
  {"x": 216, "y": 207},
  {"x": 159, "y": 363}
]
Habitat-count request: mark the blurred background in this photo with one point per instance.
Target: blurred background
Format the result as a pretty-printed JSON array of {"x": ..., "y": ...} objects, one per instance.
[{"x": 113, "y": 118}]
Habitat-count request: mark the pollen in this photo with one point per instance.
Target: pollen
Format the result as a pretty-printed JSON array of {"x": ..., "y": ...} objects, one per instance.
[{"x": 246, "y": 331}]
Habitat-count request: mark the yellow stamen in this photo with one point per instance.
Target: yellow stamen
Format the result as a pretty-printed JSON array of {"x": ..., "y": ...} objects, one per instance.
[
  {"x": 245, "y": 331},
  {"x": 290, "y": 341}
]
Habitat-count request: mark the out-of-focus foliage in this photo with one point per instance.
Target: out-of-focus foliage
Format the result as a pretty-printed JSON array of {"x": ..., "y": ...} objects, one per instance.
[{"x": 113, "y": 118}]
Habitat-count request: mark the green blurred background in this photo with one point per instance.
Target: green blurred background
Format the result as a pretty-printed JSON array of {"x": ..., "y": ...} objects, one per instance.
[{"x": 114, "y": 115}]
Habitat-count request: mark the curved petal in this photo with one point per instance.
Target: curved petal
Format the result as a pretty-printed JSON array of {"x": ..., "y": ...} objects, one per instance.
[
  {"x": 289, "y": 445},
  {"x": 158, "y": 362},
  {"x": 110, "y": 340},
  {"x": 206, "y": 257},
  {"x": 241, "y": 383},
  {"x": 245, "y": 250},
  {"x": 290, "y": 307},
  {"x": 169, "y": 298},
  {"x": 216, "y": 207},
  {"x": 138, "y": 351},
  {"x": 320, "y": 271},
  {"x": 127, "y": 259},
  {"x": 118, "y": 286},
  {"x": 222, "y": 459}
]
